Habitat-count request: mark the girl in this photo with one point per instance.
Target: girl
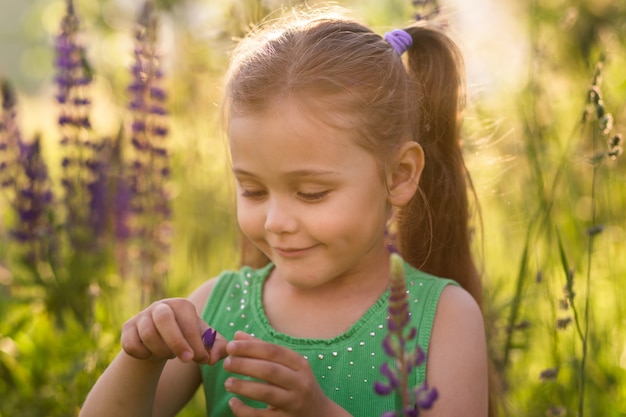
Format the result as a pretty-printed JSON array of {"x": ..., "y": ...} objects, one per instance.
[{"x": 330, "y": 134}]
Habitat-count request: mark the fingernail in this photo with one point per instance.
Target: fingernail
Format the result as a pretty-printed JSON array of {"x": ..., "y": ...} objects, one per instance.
[
  {"x": 186, "y": 356},
  {"x": 208, "y": 337}
]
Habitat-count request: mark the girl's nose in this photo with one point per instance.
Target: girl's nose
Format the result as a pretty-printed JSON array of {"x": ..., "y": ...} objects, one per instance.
[{"x": 279, "y": 218}]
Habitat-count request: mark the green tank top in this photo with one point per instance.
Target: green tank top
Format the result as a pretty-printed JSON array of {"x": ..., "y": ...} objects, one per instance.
[{"x": 346, "y": 366}]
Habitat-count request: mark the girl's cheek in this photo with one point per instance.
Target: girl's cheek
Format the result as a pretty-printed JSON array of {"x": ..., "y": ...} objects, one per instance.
[{"x": 250, "y": 221}]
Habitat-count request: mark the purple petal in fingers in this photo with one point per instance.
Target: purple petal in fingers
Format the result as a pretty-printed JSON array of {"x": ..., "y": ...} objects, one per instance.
[{"x": 208, "y": 337}]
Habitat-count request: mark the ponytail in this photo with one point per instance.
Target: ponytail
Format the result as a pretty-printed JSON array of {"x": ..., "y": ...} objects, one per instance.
[
  {"x": 441, "y": 208},
  {"x": 433, "y": 229}
]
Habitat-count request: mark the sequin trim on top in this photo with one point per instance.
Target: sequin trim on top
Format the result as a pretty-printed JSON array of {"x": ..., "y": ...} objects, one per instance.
[{"x": 346, "y": 366}]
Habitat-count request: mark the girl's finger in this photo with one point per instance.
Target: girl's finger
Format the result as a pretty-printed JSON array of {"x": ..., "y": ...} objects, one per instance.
[
  {"x": 245, "y": 345},
  {"x": 269, "y": 372},
  {"x": 131, "y": 342},
  {"x": 152, "y": 339},
  {"x": 259, "y": 391},
  {"x": 240, "y": 409},
  {"x": 191, "y": 327},
  {"x": 167, "y": 326}
]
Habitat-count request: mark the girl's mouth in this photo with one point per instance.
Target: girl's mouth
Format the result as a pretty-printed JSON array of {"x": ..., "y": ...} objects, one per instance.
[{"x": 288, "y": 252}]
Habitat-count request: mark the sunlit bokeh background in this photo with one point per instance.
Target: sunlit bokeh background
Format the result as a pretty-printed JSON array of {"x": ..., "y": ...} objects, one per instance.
[{"x": 529, "y": 66}]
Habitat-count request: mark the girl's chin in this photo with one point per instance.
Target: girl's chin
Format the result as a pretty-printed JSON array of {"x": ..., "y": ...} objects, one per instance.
[{"x": 300, "y": 276}]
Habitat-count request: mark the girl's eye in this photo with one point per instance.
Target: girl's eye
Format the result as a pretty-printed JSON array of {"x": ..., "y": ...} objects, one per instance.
[
  {"x": 253, "y": 194},
  {"x": 313, "y": 196}
]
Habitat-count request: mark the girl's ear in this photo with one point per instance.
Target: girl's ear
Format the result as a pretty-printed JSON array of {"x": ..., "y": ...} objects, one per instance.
[{"x": 403, "y": 178}]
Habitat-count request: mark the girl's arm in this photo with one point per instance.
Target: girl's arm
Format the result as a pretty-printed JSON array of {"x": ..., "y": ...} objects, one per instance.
[
  {"x": 141, "y": 381},
  {"x": 457, "y": 357}
]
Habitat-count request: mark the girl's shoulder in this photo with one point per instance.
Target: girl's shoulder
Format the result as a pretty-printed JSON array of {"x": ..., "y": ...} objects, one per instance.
[
  {"x": 457, "y": 360},
  {"x": 456, "y": 302},
  {"x": 201, "y": 294},
  {"x": 452, "y": 303}
]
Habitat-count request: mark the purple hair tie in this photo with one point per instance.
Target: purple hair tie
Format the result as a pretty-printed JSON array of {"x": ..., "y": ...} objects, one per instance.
[{"x": 399, "y": 39}]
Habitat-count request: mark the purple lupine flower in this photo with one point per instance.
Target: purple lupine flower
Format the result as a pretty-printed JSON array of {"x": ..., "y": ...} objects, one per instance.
[
  {"x": 24, "y": 174},
  {"x": 84, "y": 161},
  {"x": 73, "y": 74},
  {"x": 409, "y": 401},
  {"x": 120, "y": 192},
  {"x": 98, "y": 188},
  {"x": 425, "y": 397},
  {"x": 149, "y": 170},
  {"x": 32, "y": 200},
  {"x": 9, "y": 137}
]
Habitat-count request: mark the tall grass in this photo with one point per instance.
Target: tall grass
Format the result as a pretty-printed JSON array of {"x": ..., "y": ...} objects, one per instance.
[
  {"x": 552, "y": 292},
  {"x": 550, "y": 183}
]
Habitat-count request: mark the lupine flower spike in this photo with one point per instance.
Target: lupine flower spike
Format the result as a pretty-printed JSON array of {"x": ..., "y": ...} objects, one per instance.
[
  {"x": 150, "y": 168},
  {"x": 404, "y": 358},
  {"x": 24, "y": 174},
  {"x": 84, "y": 159},
  {"x": 32, "y": 201},
  {"x": 9, "y": 137}
]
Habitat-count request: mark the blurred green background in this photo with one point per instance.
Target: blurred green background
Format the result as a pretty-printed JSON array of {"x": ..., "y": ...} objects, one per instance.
[{"x": 550, "y": 237}]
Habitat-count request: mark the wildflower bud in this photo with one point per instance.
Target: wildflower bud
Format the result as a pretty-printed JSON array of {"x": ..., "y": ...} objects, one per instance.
[
  {"x": 382, "y": 389},
  {"x": 425, "y": 396},
  {"x": 616, "y": 140},
  {"x": 606, "y": 123},
  {"x": 549, "y": 374},
  {"x": 600, "y": 111},
  {"x": 419, "y": 356},
  {"x": 397, "y": 267},
  {"x": 388, "y": 347},
  {"x": 410, "y": 411},
  {"x": 615, "y": 152},
  {"x": 594, "y": 96},
  {"x": 391, "y": 375},
  {"x": 615, "y": 146},
  {"x": 562, "y": 324},
  {"x": 595, "y": 230},
  {"x": 556, "y": 411},
  {"x": 8, "y": 95}
]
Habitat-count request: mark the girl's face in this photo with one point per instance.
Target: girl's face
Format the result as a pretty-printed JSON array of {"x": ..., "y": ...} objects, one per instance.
[{"x": 309, "y": 197}]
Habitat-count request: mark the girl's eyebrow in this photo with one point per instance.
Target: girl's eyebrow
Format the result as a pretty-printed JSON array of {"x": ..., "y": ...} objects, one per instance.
[{"x": 301, "y": 173}]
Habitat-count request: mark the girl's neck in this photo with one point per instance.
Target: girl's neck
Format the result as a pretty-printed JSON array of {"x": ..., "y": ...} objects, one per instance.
[{"x": 326, "y": 311}]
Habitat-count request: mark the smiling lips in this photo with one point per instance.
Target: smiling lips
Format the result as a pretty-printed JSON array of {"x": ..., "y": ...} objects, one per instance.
[{"x": 292, "y": 252}]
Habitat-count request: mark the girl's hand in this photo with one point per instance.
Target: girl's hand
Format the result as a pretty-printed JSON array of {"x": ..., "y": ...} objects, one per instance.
[
  {"x": 287, "y": 383},
  {"x": 167, "y": 329}
]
